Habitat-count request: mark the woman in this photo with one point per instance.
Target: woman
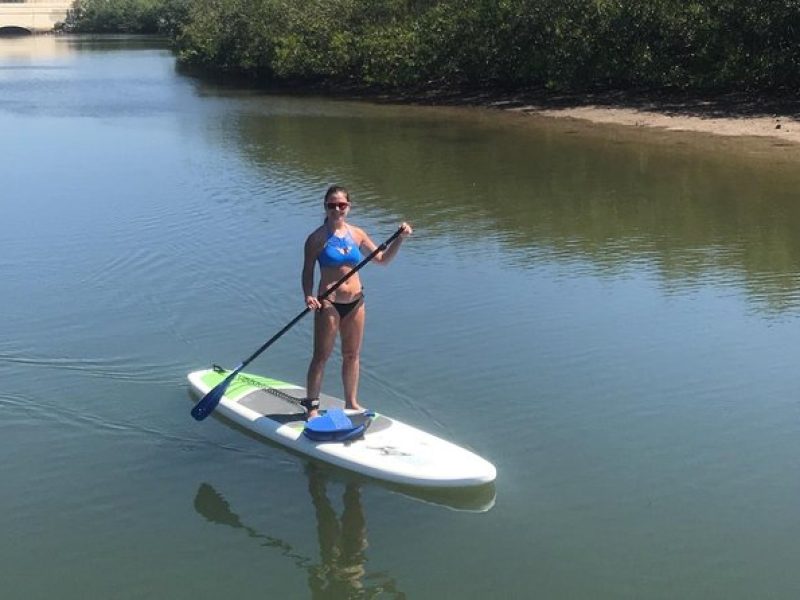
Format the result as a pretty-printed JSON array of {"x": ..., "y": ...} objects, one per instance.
[{"x": 338, "y": 246}]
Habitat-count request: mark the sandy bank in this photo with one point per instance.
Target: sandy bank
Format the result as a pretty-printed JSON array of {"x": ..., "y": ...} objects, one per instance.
[
  {"x": 783, "y": 127},
  {"x": 775, "y": 121}
]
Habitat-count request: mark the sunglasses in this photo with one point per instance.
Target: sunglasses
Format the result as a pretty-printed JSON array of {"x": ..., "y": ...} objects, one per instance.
[{"x": 337, "y": 205}]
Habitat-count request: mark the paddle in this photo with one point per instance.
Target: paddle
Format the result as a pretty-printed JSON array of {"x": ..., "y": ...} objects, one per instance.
[{"x": 209, "y": 402}]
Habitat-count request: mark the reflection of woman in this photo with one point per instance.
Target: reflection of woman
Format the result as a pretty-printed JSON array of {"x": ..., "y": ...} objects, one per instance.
[
  {"x": 341, "y": 544},
  {"x": 337, "y": 246}
]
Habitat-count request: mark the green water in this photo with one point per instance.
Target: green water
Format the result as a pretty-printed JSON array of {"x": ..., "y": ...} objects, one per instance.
[{"x": 612, "y": 320}]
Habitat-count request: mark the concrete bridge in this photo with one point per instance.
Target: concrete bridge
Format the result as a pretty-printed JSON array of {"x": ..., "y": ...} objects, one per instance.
[{"x": 32, "y": 16}]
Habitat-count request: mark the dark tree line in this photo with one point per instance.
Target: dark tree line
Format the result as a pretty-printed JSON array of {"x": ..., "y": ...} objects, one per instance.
[{"x": 716, "y": 45}]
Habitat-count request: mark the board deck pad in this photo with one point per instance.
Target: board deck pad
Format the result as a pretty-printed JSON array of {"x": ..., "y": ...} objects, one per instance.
[{"x": 280, "y": 401}]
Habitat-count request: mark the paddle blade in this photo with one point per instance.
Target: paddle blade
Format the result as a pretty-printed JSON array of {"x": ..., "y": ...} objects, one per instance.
[
  {"x": 209, "y": 503},
  {"x": 209, "y": 402}
]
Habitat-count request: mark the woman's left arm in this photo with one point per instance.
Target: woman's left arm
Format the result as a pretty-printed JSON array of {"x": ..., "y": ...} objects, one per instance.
[{"x": 385, "y": 257}]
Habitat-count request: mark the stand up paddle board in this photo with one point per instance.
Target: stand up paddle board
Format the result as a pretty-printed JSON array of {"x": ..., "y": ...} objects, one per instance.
[{"x": 387, "y": 450}]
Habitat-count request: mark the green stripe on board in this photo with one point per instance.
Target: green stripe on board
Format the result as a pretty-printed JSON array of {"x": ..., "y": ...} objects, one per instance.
[{"x": 243, "y": 383}]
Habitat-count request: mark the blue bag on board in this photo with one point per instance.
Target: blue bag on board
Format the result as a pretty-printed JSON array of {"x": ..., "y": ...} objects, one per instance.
[{"x": 333, "y": 426}]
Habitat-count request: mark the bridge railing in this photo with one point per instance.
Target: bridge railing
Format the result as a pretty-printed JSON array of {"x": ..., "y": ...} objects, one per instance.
[
  {"x": 60, "y": 3},
  {"x": 33, "y": 15}
]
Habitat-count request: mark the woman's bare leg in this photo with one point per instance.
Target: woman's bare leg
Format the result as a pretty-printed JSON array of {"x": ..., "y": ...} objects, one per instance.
[
  {"x": 326, "y": 323},
  {"x": 351, "y": 329}
]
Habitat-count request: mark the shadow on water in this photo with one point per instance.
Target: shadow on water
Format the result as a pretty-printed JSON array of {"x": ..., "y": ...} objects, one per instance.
[
  {"x": 114, "y": 42},
  {"x": 341, "y": 570},
  {"x": 687, "y": 215}
]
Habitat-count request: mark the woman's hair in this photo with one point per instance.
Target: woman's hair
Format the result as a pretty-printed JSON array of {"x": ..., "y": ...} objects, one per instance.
[{"x": 337, "y": 189}]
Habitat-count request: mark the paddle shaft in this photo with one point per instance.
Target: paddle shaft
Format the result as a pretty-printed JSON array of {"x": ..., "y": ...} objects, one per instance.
[{"x": 209, "y": 402}]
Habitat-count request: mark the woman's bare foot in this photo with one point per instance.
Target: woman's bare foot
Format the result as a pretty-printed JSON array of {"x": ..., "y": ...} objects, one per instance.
[{"x": 353, "y": 406}]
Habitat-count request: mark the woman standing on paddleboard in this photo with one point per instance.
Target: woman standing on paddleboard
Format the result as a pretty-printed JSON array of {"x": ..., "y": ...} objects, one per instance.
[{"x": 337, "y": 246}]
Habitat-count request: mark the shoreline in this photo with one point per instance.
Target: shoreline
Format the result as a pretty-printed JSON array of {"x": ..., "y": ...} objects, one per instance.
[
  {"x": 728, "y": 115},
  {"x": 761, "y": 122},
  {"x": 760, "y": 127},
  {"x": 764, "y": 129},
  {"x": 782, "y": 126}
]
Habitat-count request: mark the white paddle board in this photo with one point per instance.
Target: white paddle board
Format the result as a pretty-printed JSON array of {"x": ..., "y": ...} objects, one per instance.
[{"x": 389, "y": 450}]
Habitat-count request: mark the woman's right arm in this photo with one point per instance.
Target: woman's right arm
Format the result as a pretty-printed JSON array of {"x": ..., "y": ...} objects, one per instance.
[{"x": 310, "y": 253}]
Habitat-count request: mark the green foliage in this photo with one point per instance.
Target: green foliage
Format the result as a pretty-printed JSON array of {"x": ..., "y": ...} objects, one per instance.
[
  {"x": 127, "y": 16},
  {"x": 556, "y": 44},
  {"x": 237, "y": 35}
]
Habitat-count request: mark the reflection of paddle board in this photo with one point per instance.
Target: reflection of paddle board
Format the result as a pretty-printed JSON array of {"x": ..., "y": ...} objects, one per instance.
[
  {"x": 474, "y": 499},
  {"x": 390, "y": 450}
]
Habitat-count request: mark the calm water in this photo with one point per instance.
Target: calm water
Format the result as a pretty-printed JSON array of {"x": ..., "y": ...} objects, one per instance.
[{"x": 613, "y": 321}]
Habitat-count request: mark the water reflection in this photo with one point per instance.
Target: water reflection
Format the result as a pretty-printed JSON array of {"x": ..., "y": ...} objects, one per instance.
[
  {"x": 342, "y": 539},
  {"x": 32, "y": 47},
  {"x": 38, "y": 47},
  {"x": 688, "y": 216},
  {"x": 114, "y": 42}
]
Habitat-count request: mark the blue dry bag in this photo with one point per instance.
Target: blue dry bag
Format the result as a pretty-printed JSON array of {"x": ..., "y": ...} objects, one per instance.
[{"x": 333, "y": 426}]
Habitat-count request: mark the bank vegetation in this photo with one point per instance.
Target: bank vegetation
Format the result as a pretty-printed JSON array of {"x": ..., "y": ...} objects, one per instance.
[{"x": 701, "y": 45}]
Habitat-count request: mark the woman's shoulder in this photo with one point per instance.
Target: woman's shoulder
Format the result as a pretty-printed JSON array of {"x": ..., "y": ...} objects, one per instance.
[
  {"x": 359, "y": 235},
  {"x": 320, "y": 232},
  {"x": 318, "y": 237}
]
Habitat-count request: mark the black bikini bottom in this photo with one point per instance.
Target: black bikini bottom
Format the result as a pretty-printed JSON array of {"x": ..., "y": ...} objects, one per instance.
[{"x": 345, "y": 308}]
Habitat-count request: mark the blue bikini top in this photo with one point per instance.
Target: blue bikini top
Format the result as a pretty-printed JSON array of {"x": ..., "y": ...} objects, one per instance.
[{"x": 340, "y": 251}]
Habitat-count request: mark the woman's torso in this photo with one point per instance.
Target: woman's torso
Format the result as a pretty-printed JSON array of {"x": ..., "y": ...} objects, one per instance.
[{"x": 340, "y": 252}]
